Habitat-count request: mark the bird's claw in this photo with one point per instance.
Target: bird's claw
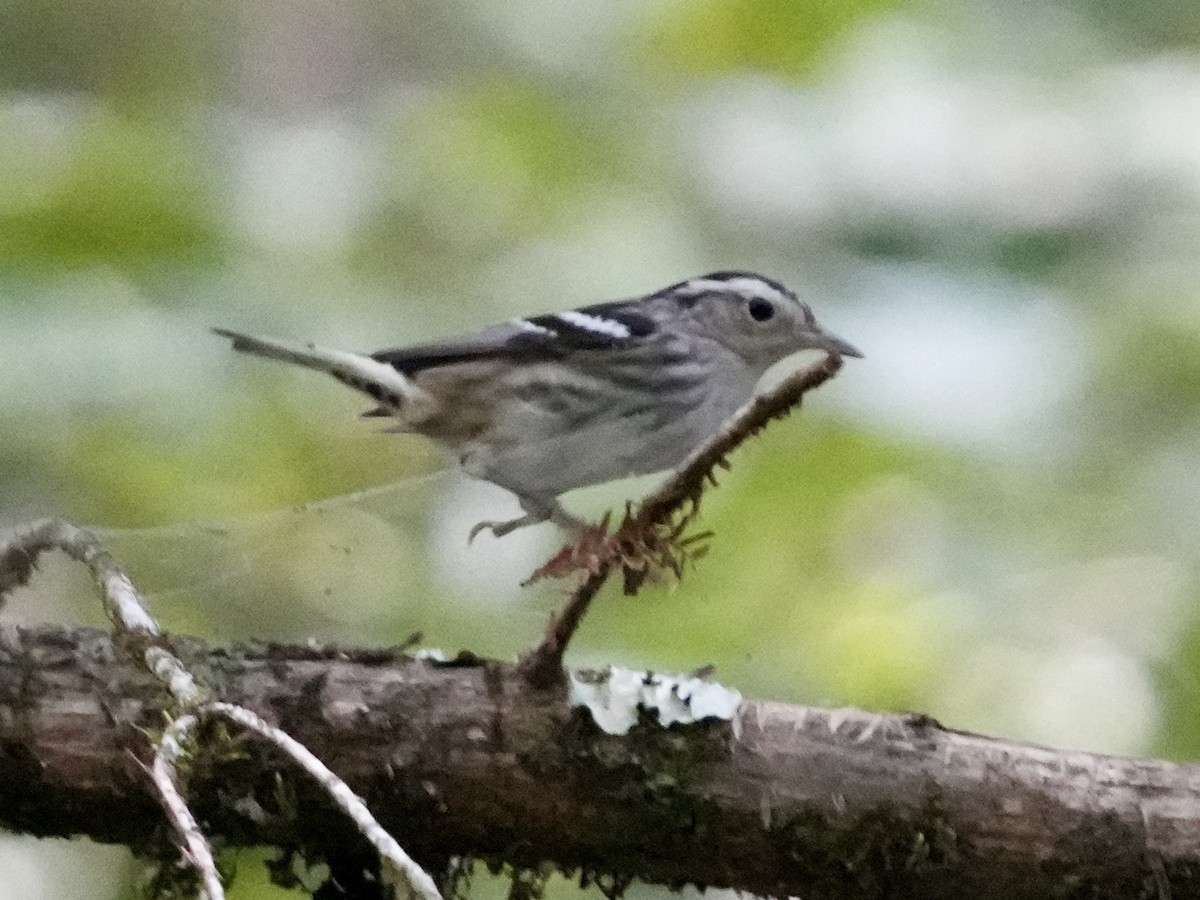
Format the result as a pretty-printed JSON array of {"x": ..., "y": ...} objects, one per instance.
[
  {"x": 535, "y": 513},
  {"x": 500, "y": 529}
]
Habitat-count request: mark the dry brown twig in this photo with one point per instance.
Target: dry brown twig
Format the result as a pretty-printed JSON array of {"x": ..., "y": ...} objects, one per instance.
[{"x": 653, "y": 538}]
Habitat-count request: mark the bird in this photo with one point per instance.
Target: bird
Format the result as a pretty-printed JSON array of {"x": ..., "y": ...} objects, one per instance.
[{"x": 557, "y": 401}]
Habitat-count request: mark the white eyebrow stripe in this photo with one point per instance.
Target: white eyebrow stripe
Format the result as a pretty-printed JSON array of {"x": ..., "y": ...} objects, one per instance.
[
  {"x": 747, "y": 287},
  {"x": 526, "y": 325},
  {"x": 595, "y": 324}
]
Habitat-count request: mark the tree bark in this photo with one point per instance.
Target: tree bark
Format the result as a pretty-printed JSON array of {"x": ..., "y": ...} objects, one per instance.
[{"x": 466, "y": 759}]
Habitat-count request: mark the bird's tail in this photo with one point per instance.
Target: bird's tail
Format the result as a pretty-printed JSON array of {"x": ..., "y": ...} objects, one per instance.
[{"x": 377, "y": 380}]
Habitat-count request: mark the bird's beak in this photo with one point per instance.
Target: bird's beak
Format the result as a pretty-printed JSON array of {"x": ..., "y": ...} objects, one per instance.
[{"x": 831, "y": 343}]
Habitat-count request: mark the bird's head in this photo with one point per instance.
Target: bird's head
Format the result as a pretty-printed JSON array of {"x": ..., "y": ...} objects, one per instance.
[{"x": 756, "y": 317}]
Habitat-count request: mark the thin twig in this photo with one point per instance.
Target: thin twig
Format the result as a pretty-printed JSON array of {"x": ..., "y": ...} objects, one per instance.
[
  {"x": 19, "y": 555},
  {"x": 138, "y": 631},
  {"x": 164, "y": 773},
  {"x": 395, "y": 859},
  {"x": 653, "y": 537}
]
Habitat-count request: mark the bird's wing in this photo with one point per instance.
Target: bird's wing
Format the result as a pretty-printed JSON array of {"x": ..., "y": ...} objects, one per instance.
[
  {"x": 604, "y": 326},
  {"x": 387, "y": 375}
]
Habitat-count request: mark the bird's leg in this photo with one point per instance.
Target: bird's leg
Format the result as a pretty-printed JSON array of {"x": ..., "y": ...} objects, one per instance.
[
  {"x": 537, "y": 510},
  {"x": 564, "y": 519},
  {"x": 500, "y": 529}
]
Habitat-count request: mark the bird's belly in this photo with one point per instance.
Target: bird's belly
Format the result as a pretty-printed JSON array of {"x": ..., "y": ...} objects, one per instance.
[{"x": 638, "y": 443}]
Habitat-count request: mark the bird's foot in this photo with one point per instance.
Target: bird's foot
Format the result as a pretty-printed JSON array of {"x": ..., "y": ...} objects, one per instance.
[
  {"x": 536, "y": 511},
  {"x": 500, "y": 529}
]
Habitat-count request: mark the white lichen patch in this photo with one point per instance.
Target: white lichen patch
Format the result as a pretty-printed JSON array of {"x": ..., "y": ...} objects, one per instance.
[
  {"x": 430, "y": 654},
  {"x": 615, "y": 696}
]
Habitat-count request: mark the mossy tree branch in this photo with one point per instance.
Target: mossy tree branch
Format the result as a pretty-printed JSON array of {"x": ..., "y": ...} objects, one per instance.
[{"x": 468, "y": 759}]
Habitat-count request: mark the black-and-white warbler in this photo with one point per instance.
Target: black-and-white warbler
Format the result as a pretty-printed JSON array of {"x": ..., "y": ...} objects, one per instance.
[{"x": 559, "y": 401}]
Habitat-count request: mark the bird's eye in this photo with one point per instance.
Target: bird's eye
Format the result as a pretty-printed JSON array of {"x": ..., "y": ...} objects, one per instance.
[{"x": 760, "y": 309}]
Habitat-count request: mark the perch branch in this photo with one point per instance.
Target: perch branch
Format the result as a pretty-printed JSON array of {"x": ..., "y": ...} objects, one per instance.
[
  {"x": 689, "y": 481},
  {"x": 543, "y": 665},
  {"x": 653, "y": 536}
]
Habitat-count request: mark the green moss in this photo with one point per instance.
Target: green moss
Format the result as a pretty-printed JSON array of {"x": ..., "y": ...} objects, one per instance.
[{"x": 863, "y": 856}]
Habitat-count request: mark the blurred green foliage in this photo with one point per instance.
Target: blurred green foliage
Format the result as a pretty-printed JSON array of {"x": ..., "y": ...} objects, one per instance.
[
  {"x": 140, "y": 53},
  {"x": 778, "y": 38},
  {"x": 118, "y": 191},
  {"x": 531, "y": 165}
]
